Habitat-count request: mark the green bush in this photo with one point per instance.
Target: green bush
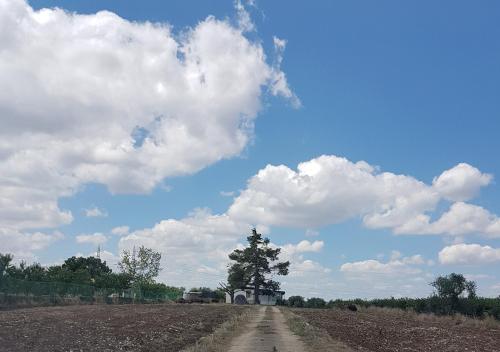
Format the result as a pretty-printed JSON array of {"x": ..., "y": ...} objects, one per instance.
[
  {"x": 296, "y": 301},
  {"x": 315, "y": 302}
]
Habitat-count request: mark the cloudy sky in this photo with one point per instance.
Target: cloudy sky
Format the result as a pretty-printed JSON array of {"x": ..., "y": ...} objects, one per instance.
[{"x": 361, "y": 138}]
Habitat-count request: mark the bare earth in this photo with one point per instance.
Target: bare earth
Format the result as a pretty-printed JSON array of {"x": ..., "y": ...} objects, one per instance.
[
  {"x": 169, "y": 327},
  {"x": 392, "y": 331},
  {"x": 267, "y": 331}
]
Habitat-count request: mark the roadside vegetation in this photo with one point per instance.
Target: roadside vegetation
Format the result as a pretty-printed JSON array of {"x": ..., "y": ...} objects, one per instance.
[
  {"x": 453, "y": 295},
  {"x": 84, "y": 280}
]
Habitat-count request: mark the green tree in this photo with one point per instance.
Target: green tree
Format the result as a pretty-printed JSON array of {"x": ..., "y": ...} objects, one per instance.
[
  {"x": 237, "y": 279},
  {"x": 118, "y": 281},
  {"x": 296, "y": 301},
  {"x": 34, "y": 272},
  {"x": 315, "y": 302},
  {"x": 5, "y": 263},
  {"x": 141, "y": 265},
  {"x": 58, "y": 273},
  {"x": 451, "y": 287},
  {"x": 93, "y": 266},
  {"x": 259, "y": 261}
]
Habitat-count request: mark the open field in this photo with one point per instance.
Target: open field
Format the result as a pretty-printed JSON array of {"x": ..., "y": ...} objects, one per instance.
[
  {"x": 169, "y": 327},
  {"x": 395, "y": 330}
]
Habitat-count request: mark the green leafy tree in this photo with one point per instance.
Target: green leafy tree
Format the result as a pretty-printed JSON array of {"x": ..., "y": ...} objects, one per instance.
[
  {"x": 315, "y": 302},
  {"x": 34, "y": 272},
  {"x": 95, "y": 267},
  {"x": 237, "y": 279},
  {"x": 117, "y": 281},
  {"x": 79, "y": 270},
  {"x": 141, "y": 265},
  {"x": 259, "y": 261},
  {"x": 5, "y": 263},
  {"x": 451, "y": 287},
  {"x": 296, "y": 301}
]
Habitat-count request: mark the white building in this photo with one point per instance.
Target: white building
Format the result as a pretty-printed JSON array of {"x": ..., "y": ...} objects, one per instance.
[{"x": 246, "y": 296}]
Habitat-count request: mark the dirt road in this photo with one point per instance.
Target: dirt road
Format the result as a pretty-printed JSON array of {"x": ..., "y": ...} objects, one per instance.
[{"x": 267, "y": 331}]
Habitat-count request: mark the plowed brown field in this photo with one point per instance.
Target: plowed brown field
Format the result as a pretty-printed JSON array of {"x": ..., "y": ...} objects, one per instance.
[
  {"x": 392, "y": 330},
  {"x": 110, "y": 328}
]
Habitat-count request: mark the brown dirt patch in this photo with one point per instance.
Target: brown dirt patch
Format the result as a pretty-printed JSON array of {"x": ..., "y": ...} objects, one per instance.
[
  {"x": 390, "y": 330},
  {"x": 169, "y": 327}
]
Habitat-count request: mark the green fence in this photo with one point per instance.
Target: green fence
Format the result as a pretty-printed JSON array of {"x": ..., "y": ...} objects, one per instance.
[{"x": 15, "y": 292}]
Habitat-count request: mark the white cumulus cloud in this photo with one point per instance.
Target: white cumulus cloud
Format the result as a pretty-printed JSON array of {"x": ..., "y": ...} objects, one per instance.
[
  {"x": 98, "y": 98},
  {"x": 461, "y": 182},
  {"x": 396, "y": 266},
  {"x": 330, "y": 189},
  {"x": 469, "y": 254},
  {"x": 95, "y": 212},
  {"x": 95, "y": 238},
  {"x": 120, "y": 230}
]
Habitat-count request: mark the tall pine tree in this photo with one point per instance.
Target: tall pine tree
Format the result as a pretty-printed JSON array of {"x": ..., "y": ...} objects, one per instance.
[{"x": 259, "y": 261}]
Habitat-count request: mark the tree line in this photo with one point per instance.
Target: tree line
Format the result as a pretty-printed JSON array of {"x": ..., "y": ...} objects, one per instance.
[
  {"x": 452, "y": 294},
  {"x": 138, "y": 269}
]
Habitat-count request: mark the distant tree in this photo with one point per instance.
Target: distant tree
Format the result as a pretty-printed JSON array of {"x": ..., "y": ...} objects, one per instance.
[
  {"x": 258, "y": 261},
  {"x": 315, "y": 302},
  {"x": 34, "y": 272},
  {"x": 5, "y": 263},
  {"x": 451, "y": 287},
  {"x": 296, "y": 301},
  {"x": 470, "y": 287},
  {"x": 220, "y": 295},
  {"x": 142, "y": 265},
  {"x": 118, "y": 281},
  {"x": 95, "y": 267},
  {"x": 237, "y": 279},
  {"x": 160, "y": 291},
  {"x": 59, "y": 274}
]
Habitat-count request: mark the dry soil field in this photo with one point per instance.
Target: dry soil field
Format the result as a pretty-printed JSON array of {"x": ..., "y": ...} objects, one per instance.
[
  {"x": 110, "y": 328},
  {"x": 392, "y": 330}
]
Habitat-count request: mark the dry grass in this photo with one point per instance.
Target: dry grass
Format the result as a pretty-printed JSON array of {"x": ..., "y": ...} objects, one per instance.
[
  {"x": 316, "y": 339},
  {"x": 221, "y": 337},
  {"x": 457, "y": 319}
]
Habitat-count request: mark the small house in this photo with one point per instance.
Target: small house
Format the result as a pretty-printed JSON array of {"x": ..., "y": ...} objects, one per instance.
[{"x": 246, "y": 296}]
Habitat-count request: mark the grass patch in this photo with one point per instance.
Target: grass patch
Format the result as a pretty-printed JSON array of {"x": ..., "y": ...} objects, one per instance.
[{"x": 221, "y": 337}]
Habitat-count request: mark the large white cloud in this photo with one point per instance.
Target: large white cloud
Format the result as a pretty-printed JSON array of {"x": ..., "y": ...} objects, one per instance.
[
  {"x": 461, "y": 182},
  {"x": 95, "y": 238},
  {"x": 330, "y": 189},
  {"x": 395, "y": 266},
  {"x": 460, "y": 219},
  {"x": 469, "y": 254},
  {"x": 24, "y": 244},
  {"x": 98, "y": 98}
]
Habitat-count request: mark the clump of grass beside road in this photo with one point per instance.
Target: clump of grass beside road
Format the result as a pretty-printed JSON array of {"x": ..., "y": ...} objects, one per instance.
[{"x": 221, "y": 337}]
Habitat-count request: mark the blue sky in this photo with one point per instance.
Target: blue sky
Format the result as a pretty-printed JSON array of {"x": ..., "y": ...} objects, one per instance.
[{"x": 409, "y": 88}]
